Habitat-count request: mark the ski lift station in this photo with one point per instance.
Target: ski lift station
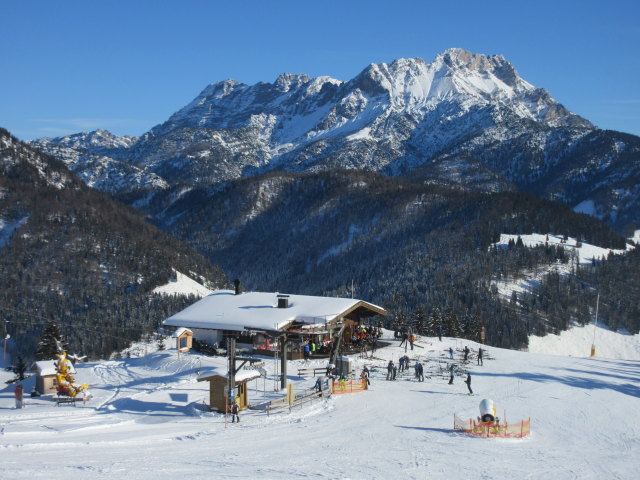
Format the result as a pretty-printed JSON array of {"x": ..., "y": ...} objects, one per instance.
[{"x": 260, "y": 320}]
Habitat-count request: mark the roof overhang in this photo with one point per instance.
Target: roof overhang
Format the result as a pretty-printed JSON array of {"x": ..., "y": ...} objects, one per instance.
[{"x": 259, "y": 312}]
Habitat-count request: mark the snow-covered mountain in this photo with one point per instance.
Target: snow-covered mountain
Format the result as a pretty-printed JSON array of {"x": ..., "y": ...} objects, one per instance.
[
  {"x": 465, "y": 120},
  {"x": 98, "y": 158}
]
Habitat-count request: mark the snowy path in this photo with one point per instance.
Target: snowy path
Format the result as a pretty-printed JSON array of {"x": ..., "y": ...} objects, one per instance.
[{"x": 144, "y": 418}]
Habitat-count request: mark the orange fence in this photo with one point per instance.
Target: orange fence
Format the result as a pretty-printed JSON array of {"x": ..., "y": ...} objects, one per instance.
[
  {"x": 349, "y": 386},
  {"x": 493, "y": 429}
]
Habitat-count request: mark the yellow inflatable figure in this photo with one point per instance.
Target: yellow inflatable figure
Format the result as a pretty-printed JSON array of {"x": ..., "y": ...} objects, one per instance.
[{"x": 65, "y": 379}]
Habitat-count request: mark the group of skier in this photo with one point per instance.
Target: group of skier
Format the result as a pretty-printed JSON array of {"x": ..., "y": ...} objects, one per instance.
[{"x": 419, "y": 369}]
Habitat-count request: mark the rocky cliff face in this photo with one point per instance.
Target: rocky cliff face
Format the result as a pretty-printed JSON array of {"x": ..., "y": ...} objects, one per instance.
[{"x": 464, "y": 120}]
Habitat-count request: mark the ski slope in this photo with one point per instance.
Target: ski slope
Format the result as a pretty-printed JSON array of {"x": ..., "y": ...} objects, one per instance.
[{"x": 146, "y": 421}]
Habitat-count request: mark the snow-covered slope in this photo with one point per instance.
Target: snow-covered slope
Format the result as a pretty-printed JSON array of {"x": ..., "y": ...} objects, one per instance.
[
  {"x": 577, "y": 342},
  {"x": 581, "y": 253},
  {"x": 146, "y": 421},
  {"x": 183, "y": 285}
]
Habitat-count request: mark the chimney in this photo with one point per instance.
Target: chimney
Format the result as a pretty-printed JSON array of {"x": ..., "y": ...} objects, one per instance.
[
  {"x": 283, "y": 301},
  {"x": 236, "y": 282}
]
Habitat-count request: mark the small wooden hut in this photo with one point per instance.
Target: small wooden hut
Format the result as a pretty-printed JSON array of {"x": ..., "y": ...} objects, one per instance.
[
  {"x": 184, "y": 339},
  {"x": 46, "y": 373},
  {"x": 219, "y": 385}
]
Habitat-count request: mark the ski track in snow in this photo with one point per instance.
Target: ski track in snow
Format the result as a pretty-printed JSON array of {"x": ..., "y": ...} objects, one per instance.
[{"x": 144, "y": 422}]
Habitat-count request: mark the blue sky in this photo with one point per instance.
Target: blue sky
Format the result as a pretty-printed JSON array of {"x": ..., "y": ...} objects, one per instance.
[{"x": 126, "y": 66}]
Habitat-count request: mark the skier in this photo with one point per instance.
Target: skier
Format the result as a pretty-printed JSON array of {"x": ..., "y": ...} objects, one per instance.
[
  {"x": 318, "y": 385},
  {"x": 468, "y": 382},
  {"x": 451, "y": 373},
  {"x": 234, "y": 412},
  {"x": 405, "y": 337},
  {"x": 390, "y": 368},
  {"x": 364, "y": 375},
  {"x": 480, "y": 357},
  {"x": 401, "y": 361},
  {"x": 451, "y": 353},
  {"x": 466, "y": 353},
  {"x": 330, "y": 368}
]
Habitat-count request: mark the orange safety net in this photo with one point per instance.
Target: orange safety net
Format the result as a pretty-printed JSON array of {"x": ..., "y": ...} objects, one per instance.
[
  {"x": 493, "y": 429},
  {"x": 349, "y": 386}
]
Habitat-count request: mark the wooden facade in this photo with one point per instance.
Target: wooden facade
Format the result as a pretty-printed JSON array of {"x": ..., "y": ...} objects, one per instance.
[
  {"x": 46, "y": 384},
  {"x": 184, "y": 339},
  {"x": 218, "y": 386},
  {"x": 46, "y": 376}
]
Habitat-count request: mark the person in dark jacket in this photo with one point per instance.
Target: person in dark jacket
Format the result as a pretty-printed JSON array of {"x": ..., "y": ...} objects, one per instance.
[
  {"x": 480, "y": 352},
  {"x": 468, "y": 382},
  {"x": 451, "y": 373},
  {"x": 234, "y": 412}
]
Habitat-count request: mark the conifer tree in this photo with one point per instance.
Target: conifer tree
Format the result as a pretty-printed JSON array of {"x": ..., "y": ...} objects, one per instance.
[
  {"x": 473, "y": 329},
  {"x": 50, "y": 342},
  {"x": 420, "y": 320},
  {"x": 19, "y": 369},
  {"x": 160, "y": 342},
  {"x": 452, "y": 324},
  {"x": 435, "y": 322}
]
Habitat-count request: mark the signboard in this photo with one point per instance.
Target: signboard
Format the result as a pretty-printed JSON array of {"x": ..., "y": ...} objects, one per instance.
[{"x": 254, "y": 366}]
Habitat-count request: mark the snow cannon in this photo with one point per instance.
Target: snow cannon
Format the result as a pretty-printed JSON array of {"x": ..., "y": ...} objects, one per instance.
[{"x": 487, "y": 411}]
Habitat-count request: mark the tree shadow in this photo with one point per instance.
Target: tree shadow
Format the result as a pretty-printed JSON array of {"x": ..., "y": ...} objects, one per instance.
[
  {"x": 630, "y": 389},
  {"x": 448, "y": 431},
  {"x": 150, "y": 410}
]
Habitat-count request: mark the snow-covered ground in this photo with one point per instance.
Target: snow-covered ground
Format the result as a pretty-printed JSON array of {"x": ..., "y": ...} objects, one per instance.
[
  {"x": 577, "y": 341},
  {"x": 146, "y": 421},
  {"x": 183, "y": 285},
  {"x": 583, "y": 253}
]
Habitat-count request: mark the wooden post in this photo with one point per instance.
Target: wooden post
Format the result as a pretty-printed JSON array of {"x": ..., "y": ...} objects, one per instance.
[
  {"x": 231, "y": 345},
  {"x": 283, "y": 362},
  {"x": 226, "y": 409}
]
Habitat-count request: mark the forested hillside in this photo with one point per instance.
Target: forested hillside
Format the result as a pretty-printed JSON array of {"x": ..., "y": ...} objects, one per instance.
[
  {"x": 575, "y": 297},
  {"x": 74, "y": 256},
  {"x": 422, "y": 251}
]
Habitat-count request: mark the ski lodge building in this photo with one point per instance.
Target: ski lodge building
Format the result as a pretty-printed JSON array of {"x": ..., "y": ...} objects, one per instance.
[{"x": 258, "y": 319}]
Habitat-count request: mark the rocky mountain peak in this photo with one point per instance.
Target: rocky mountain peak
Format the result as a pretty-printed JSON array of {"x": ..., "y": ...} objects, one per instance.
[
  {"x": 290, "y": 81},
  {"x": 458, "y": 59},
  {"x": 217, "y": 90},
  {"x": 100, "y": 138}
]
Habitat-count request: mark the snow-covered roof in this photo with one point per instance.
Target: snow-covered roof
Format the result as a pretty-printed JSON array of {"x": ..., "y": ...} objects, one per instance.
[
  {"x": 181, "y": 331},
  {"x": 223, "y": 310},
  {"x": 48, "y": 367},
  {"x": 241, "y": 376}
]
